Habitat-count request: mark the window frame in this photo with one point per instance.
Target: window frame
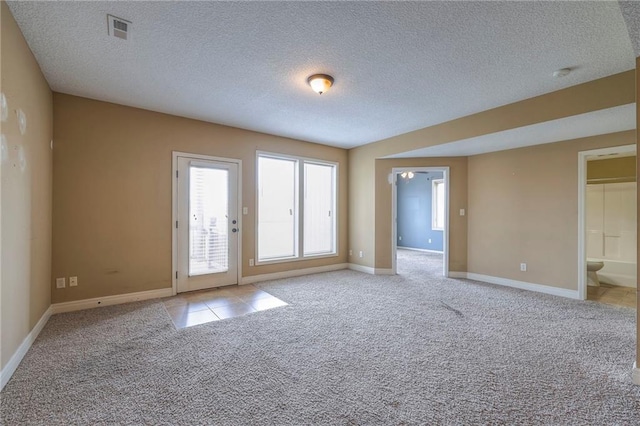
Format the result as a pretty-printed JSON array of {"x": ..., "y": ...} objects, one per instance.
[
  {"x": 296, "y": 211},
  {"x": 434, "y": 204},
  {"x": 299, "y": 208},
  {"x": 334, "y": 205}
]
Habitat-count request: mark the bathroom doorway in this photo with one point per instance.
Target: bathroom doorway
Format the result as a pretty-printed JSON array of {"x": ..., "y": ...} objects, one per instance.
[
  {"x": 420, "y": 220},
  {"x": 607, "y": 261}
]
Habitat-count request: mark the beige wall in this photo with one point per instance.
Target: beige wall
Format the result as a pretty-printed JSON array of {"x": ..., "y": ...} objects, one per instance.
[
  {"x": 112, "y": 188},
  {"x": 592, "y": 96},
  {"x": 457, "y": 200},
  {"x": 523, "y": 207},
  {"x": 362, "y": 207},
  {"x": 26, "y": 191},
  {"x": 621, "y": 169}
]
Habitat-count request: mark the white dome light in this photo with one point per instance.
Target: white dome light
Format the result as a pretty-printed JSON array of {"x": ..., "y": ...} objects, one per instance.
[{"x": 320, "y": 83}]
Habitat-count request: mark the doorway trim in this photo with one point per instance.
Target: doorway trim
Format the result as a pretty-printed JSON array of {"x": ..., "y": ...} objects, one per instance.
[
  {"x": 582, "y": 224},
  {"x": 174, "y": 210},
  {"x": 395, "y": 171}
]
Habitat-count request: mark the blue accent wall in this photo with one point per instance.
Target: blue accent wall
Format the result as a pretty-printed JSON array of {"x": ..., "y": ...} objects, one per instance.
[{"x": 414, "y": 212}]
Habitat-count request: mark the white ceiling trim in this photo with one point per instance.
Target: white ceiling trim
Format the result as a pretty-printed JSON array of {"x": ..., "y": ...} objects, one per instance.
[{"x": 595, "y": 123}]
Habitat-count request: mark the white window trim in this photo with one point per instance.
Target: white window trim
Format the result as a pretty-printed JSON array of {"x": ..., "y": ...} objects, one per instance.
[
  {"x": 299, "y": 208},
  {"x": 434, "y": 205}
]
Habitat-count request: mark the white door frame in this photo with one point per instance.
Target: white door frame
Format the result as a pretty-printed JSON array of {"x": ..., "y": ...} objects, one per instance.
[
  {"x": 582, "y": 225},
  {"x": 394, "y": 212},
  {"x": 174, "y": 211}
]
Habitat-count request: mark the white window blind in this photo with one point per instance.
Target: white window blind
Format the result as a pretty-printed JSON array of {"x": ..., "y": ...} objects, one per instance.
[
  {"x": 319, "y": 217},
  {"x": 296, "y": 208},
  {"x": 208, "y": 220},
  {"x": 277, "y": 208}
]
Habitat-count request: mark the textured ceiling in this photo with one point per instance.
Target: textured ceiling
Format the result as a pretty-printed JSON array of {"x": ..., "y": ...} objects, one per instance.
[
  {"x": 631, "y": 14},
  {"x": 578, "y": 126},
  {"x": 398, "y": 66}
]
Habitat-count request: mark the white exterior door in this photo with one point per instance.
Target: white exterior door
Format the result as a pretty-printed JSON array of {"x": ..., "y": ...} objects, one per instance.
[{"x": 207, "y": 225}]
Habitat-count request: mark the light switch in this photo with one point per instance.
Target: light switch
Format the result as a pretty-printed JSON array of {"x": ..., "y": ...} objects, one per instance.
[
  {"x": 245, "y": 210},
  {"x": 461, "y": 212}
]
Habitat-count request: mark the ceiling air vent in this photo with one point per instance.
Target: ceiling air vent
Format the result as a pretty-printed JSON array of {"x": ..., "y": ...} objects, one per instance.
[{"x": 119, "y": 27}]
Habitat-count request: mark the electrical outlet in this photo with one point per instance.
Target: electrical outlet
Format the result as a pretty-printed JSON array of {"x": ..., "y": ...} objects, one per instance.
[
  {"x": 523, "y": 267},
  {"x": 361, "y": 254},
  {"x": 245, "y": 210},
  {"x": 399, "y": 238},
  {"x": 60, "y": 283},
  {"x": 251, "y": 263},
  {"x": 73, "y": 281},
  {"x": 350, "y": 252},
  {"x": 461, "y": 212}
]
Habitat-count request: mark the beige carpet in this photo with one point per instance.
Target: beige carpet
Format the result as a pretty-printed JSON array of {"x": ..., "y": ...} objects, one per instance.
[{"x": 350, "y": 349}]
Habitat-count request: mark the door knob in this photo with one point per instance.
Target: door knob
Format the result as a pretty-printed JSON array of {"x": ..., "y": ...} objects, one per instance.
[
  {"x": 234, "y": 230},
  {"x": 234, "y": 221}
]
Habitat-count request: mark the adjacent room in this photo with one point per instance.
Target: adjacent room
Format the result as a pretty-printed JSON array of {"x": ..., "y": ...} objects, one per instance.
[
  {"x": 337, "y": 213},
  {"x": 611, "y": 227},
  {"x": 420, "y": 220}
]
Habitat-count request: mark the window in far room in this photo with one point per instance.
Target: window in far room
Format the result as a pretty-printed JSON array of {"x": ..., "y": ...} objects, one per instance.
[{"x": 437, "y": 204}]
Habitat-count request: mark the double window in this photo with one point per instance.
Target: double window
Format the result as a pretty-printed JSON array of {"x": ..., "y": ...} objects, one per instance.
[{"x": 296, "y": 208}]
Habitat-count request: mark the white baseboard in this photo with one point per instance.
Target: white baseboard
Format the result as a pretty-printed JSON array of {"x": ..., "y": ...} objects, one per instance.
[
  {"x": 292, "y": 273},
  {"x": 78, "y": 305},
  {"x": 457, "y": 274},
  {"x": 635, "y": 374},
  {"x": 539, "y": 288},
  {"x": 362, "y": 268},
  {"x": 369, "y": 270},
  {"x": 14, "y": 362},
  {"x": 419, "y": 249}
]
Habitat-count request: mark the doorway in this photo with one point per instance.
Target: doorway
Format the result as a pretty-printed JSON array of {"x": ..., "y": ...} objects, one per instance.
[
  {"x": 427, "y": 202},
  {"x": 607, "y": 225},
  {"x": 206, "y": 224}
]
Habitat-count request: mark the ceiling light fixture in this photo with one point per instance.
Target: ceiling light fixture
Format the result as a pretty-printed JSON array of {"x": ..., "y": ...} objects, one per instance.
[
  {"x": 407, "y": 175},
  {"x": 320, "y": 83},
  {"x": 561, "y": 72}
]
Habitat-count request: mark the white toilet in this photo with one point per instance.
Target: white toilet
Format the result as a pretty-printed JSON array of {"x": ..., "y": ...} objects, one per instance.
[{"x": 592, "y": 273}]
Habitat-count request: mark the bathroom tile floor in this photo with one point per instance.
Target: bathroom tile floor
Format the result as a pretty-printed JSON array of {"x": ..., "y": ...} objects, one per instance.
[
  {"x": 199, "y": 307},
  {"x": 613, "y": 295}
]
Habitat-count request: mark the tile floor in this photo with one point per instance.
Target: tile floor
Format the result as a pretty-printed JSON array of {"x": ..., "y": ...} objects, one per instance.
[
  {"x": 613, "y": 295},
  {"x": 199, "y": 307}
]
